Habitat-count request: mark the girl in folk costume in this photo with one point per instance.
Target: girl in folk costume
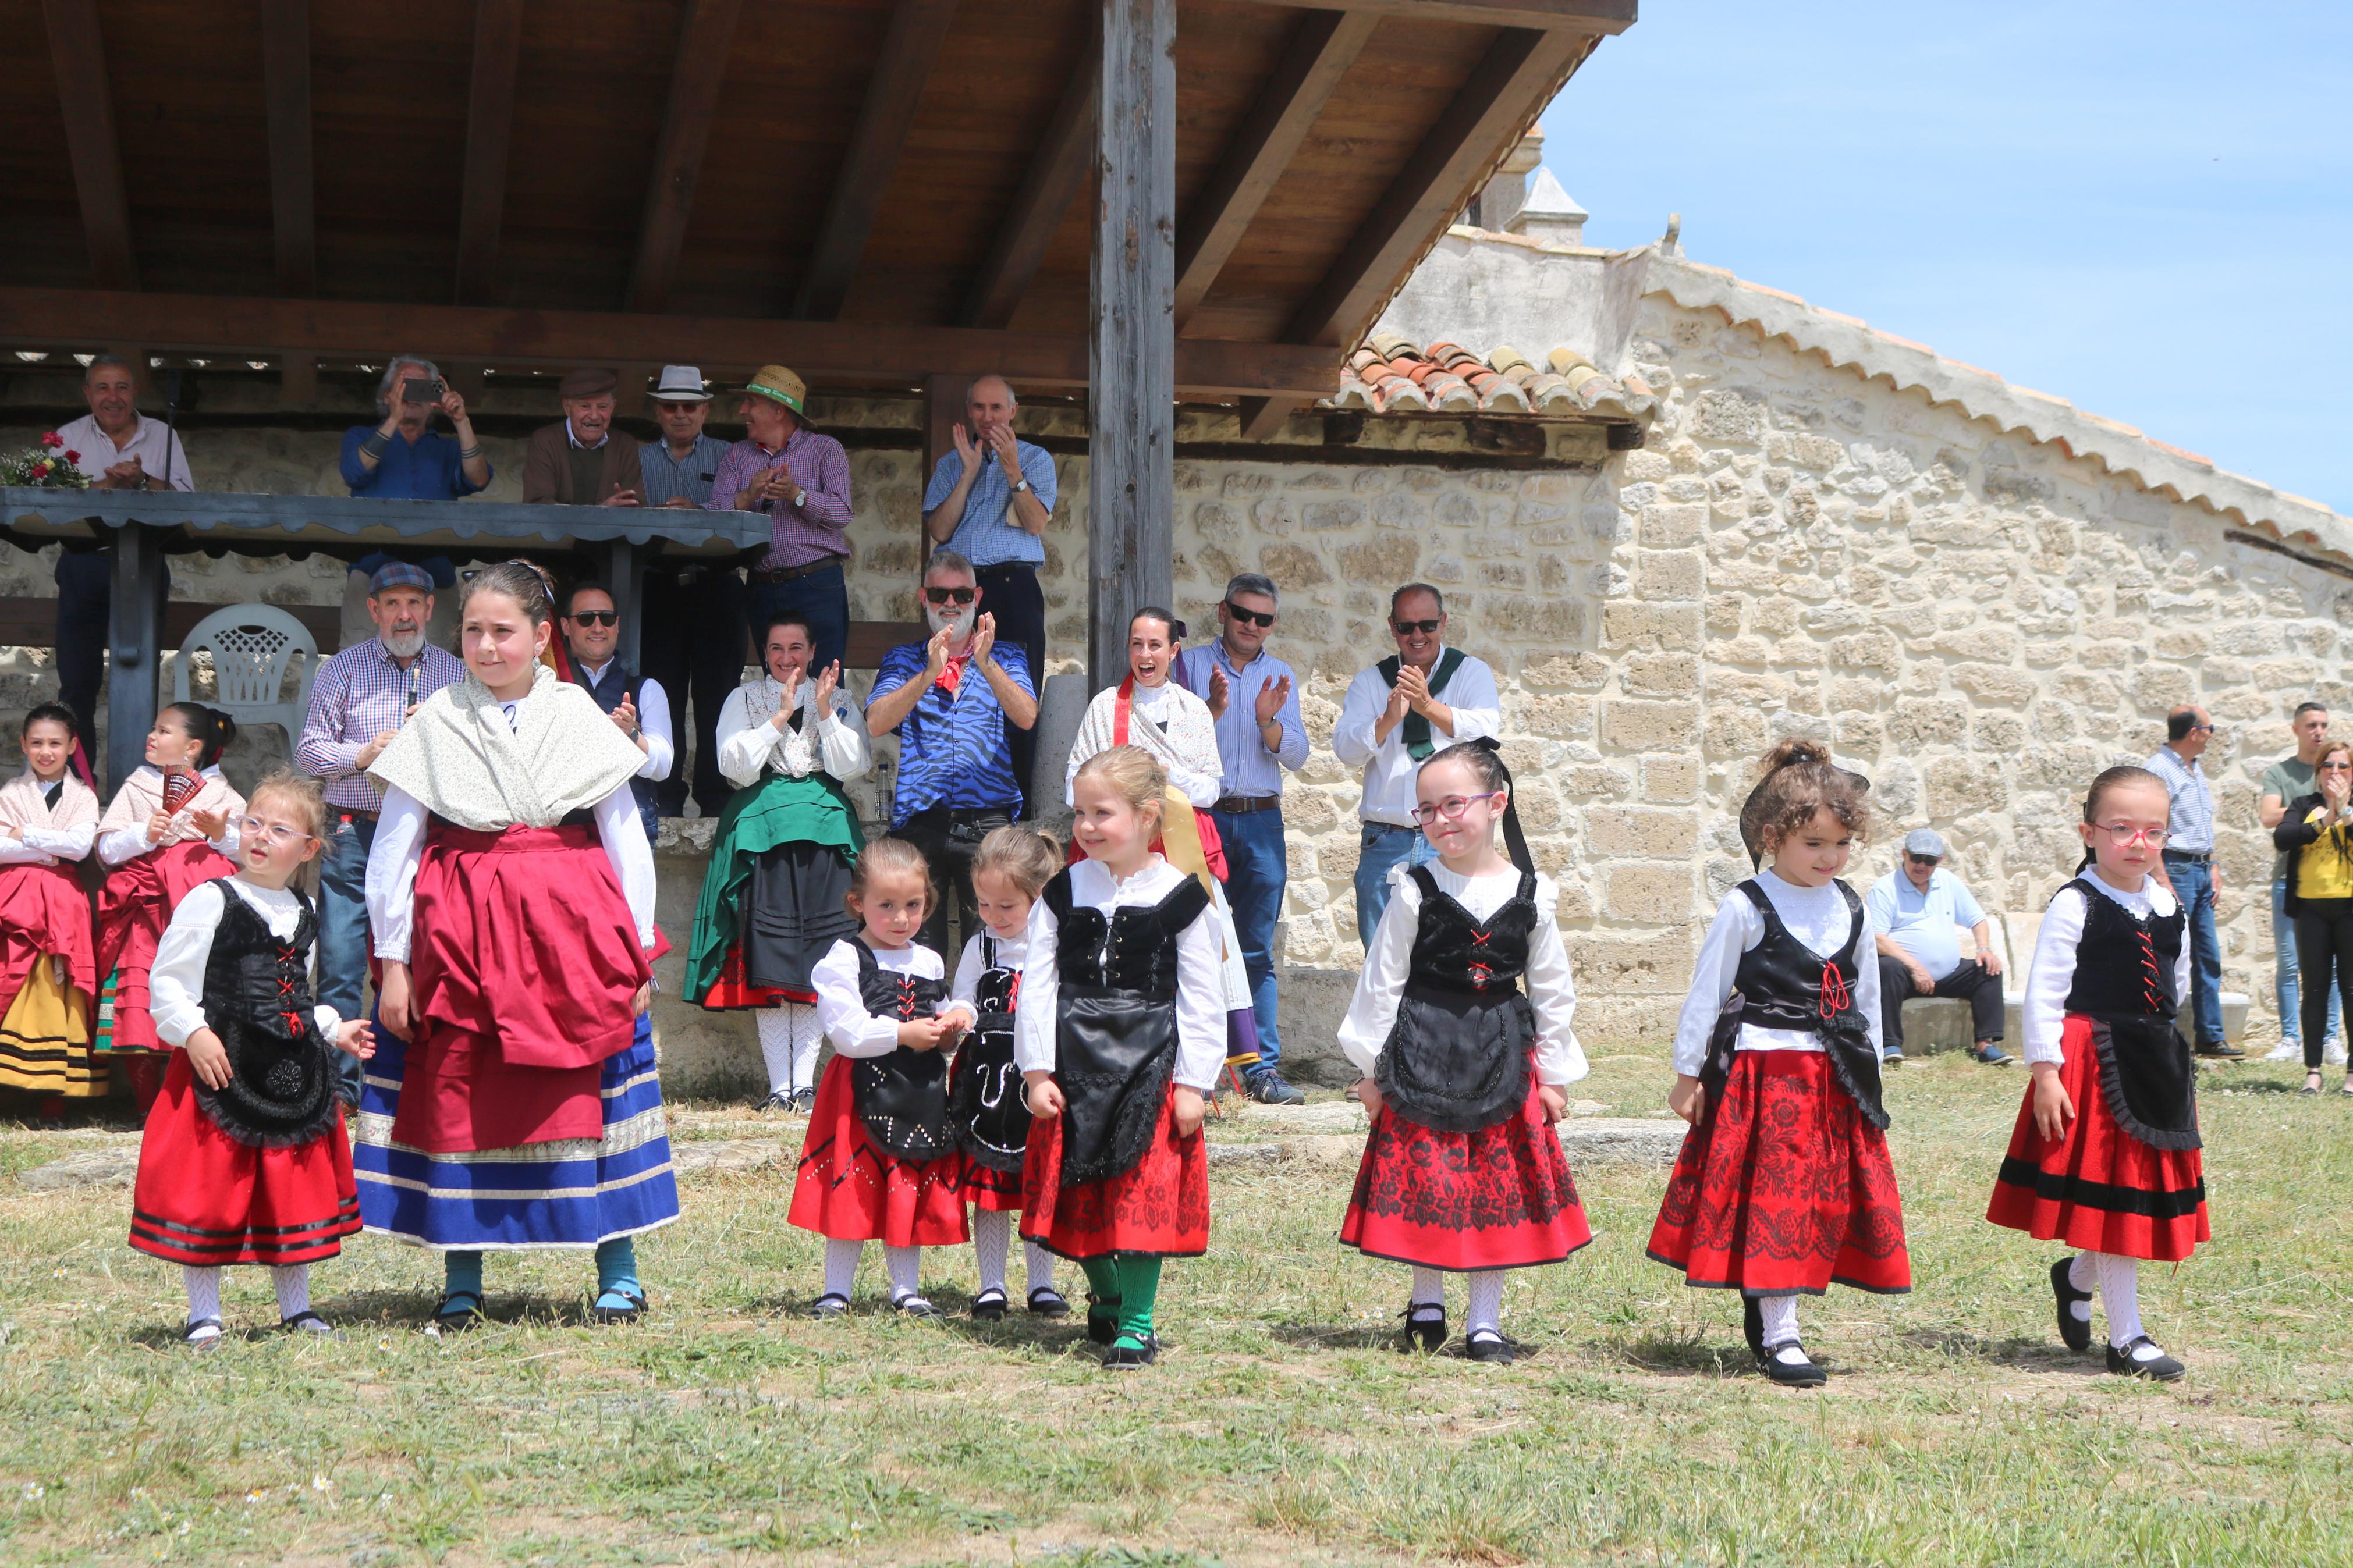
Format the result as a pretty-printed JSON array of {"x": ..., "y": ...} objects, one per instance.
[
  {"x": 49, "y": 820},
  {"x": 879, "y": 1163},
  {"x": 1118, "y": 1033},
  {"x": 170, "y": 827},
  {"x": 1463, "y": 1072},
  {"x": 986, "y": 1104},
  {"x": 772, "y": 900},
  {"x": 1784, "y": 1185},
  {"x": 511, "y": 896},
  {"x": 2105, "y": 1155},
  {"x": 244, "y": 1159}
]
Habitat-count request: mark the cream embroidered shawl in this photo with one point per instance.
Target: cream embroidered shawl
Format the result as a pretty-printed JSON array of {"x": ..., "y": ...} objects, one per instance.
[
  {"x": 22, "y": 805},
  {"x": 457, "y": 757},
  {"x": 142, "y": 796}
]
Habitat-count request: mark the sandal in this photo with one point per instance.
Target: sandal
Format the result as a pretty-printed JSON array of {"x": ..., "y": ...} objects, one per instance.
[
  {"x": 1129, "y": 1353},
  {"x": 452, "y": 1318},
  {"x": 633, "y": 1307},
  {"x": 832, "y": 1304},
  {"x": 1800, "y": 1373},
  {"x": 2311, "y": 1082},
  {"x": 2074, "y": 1332},
  {"x": 1102, "y": 1319},
  {"x": 1488, "y": 1345},
  {"x": 302, "y": 1321}
]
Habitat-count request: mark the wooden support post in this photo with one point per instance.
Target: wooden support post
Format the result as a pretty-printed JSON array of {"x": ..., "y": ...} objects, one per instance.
[
  {"x": 134, "y": 638},
  {"x": 1131, "y": 474},
  {"x": 625, "y": 579},
  {"x": 944, "y": 402},
  {"x": 297, "y": 381}
]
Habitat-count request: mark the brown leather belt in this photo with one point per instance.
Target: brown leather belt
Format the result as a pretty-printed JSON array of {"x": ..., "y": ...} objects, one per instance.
[
  {"x": 794, "y": 574},
  {"x": 1243, "y": 805}
]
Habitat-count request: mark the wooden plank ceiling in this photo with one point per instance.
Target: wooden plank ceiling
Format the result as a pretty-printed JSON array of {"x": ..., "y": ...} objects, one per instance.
[{"x": 551, "y": 183}]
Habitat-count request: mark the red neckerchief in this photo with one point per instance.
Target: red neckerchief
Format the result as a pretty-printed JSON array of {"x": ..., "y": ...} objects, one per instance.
[
  {"x": 950, "y": 676},
  {"x": 1122, "y": 707}
]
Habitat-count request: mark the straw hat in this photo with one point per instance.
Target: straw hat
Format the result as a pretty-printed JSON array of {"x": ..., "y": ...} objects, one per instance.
[{"x": 778, "y": 384}]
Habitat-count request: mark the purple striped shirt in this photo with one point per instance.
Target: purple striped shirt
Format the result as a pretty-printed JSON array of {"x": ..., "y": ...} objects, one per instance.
[
  {"x": 798, "y": 535},
  {"x": 358, "y": 695}
]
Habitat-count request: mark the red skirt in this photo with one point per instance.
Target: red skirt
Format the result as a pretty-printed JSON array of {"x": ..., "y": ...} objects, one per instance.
[
  {"x": 848, "y": 1189},
  {"x": 983, "y": 1186},
  {"x": 1160, "y": 1207},
  {"x": 204, "y": 1198},
  {"x": 2098, "y": 1187},
  {"x": 731, "y": 989},
  {"x": 44, "y": 910},
  {"x": 133, "y": 907},
  {"x": 525, "y": 963},
  {"x": 1783, "y": 1188},
  {"x": 1498, "y": 1198}
]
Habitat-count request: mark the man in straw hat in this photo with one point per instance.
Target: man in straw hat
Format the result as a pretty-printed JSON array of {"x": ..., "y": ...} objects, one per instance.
[
  {"x": 581, "y": 460},
  {"x": 801, "y": 480}
]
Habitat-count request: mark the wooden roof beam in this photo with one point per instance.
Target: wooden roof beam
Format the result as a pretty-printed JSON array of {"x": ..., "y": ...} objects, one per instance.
[
  {"x": 1321, "y": 48},
  {"x": 918, "y": 29},
  {"x": 86, "y": 100},
  {"x": 489, "y": 132},
  {"x": 704, "y": 38},
  {"x": 293, "y": 190},
  {"x": 1576, "y": 16},
  {"x": 1055, "y": 174}
]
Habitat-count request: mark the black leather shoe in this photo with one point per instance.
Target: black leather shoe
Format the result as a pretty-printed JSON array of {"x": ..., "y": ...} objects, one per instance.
[
  {"x": 1486, "y": 1344},
  {"x": 1102, "y": 1320},
  {"x": 1046, "y": 1302},
  {"x": 2130, "y": 1361},
  {"x": 1425, "y": 1327},
  {"x": 2074, "y": 1332},
  {"x": 1268, "y": 1088},
  {"x": 2222, "y": 1052},
  {"x": 1752, "y": 1326},
  {"x": 832, "y": 1304},
  {"x": 1798, "y": 1374},
  {"x": 1128, "y": 1358},
  {"x": 989, "y": 1307}
]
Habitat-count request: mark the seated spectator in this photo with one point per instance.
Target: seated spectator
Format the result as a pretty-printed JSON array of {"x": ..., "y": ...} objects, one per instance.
[
  {"x": 639, "y": 706},
  {"x": 1916, "y": 915},
  {"x": 581, "y": 460},
  {"x": 403, "y": 458}
]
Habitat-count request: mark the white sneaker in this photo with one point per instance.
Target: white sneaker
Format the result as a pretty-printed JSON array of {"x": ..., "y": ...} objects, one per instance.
[
  {"x": 2333, "y": 1052},
  {"x": 2286, "y": 1051}
]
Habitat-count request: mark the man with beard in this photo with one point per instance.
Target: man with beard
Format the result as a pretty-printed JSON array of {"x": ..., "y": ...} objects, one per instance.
[
  {"x": 951, "y": 699},
  {"x": 358, "y": 703}
]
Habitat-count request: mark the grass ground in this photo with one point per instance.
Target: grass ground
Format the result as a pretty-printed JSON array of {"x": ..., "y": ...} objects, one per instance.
[{"x": 1279, "y": 1428}]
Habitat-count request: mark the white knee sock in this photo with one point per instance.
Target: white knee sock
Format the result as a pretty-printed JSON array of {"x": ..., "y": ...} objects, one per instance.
[
  {"x": 1485, "y": 1311},
  {"x": 905, "y": 1265},
  {"x": 1040, "y": 1265},
  {"x": 1429, "y": 1287},
  {"x": 293, "y": 1282},
  {"x": 2084, "y": 1274},
  {"x": 841, "y": 1267},
  {"x": 992, "y": 1236},
  {"x": 789, "y": 1038},
  {"x": 203, "y": 1294},
  {"x": 2120, "y": 1297},
  {"x": 1781, "y": 1315}
]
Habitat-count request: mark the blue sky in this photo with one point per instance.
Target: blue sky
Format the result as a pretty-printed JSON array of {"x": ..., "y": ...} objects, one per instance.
[{"x": 2145, "y": 208}]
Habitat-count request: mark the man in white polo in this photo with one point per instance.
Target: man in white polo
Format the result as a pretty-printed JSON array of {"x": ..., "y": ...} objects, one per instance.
[{"x": 1917, "y": 913}]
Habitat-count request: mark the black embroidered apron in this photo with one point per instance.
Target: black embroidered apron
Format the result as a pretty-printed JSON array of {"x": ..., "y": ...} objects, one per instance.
[
  {"x": 258, "y": 999},
  {"x": 985, "y": 1108},
  {"x": 902, "y": 1098},
  {"x": 2124, "y": 985},
  {"x": 1457, "y": 1057}
]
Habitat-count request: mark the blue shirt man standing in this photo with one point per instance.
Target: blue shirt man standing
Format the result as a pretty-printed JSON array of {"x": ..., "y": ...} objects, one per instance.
[
  {"x": 2189, "y": 866},
  {"x": 1255, "y": 701}
]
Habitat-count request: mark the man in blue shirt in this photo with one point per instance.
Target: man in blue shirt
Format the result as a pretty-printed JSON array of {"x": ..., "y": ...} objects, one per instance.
[
  {"x": 1917, "y": 913},
  {"x": 955, "y": 699},
  {"x": 1255, "y": 701},
  {"x": 693, "y": 628},
  {"x": 989, "y": 501},
  {"x": 402, "y": 457}
]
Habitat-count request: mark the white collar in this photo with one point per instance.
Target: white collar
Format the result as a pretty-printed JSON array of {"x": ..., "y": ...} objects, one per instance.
[{"x": 573, "y": 437}]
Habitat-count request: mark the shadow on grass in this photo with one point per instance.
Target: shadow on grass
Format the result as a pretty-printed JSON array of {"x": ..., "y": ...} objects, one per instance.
[{"x": 2012, "y": 1350}]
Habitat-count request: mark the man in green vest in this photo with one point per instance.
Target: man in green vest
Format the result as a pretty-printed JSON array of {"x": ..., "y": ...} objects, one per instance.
[{"x": 1422, "y": 698}]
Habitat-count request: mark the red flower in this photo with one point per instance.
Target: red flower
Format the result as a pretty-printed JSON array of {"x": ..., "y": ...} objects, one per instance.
[
  {"x": 41, "y": 469},
  {"x": 51, "y": 438},
  {"x": 72, "y": 456}
]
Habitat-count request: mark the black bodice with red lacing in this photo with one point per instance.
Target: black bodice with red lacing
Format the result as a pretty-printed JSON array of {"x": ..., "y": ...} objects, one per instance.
[
  {"x": 258, "y": 999},
  {"x": 903, "y": 1097},
  {"x": 2124, "y": 966},
  {"x": 1785, "y": 984},
  {"x": 1456, "y": 1059}
]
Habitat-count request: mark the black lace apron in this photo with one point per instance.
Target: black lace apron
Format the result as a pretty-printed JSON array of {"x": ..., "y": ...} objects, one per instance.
[
  {"x": 1115, "y": 1025},
  {"x": 1782, "y": 984},
  {"x": 985, "y": 1107},
  {"x": 2124, "y": 985},
  {"x": 902, "y": 1098},
  {"x": 1457, "y": 1057},
  {"x": 258, "y": 999}
]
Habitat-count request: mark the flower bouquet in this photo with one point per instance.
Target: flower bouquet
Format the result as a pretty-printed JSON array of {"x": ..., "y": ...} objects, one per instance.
[{"x": 47, "y": 466}]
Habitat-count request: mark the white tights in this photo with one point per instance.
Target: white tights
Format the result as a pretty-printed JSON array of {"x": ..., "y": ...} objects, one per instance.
[
  {"x": 903, "y": 1264},
  {"x": 992, "y": 1239},
  {"x": 790, "y": 1036},
  {"x": 2118, "y": 1279},
  {"x": 292, "y": 1281},
  {"x": 1485, "y": 1310}
]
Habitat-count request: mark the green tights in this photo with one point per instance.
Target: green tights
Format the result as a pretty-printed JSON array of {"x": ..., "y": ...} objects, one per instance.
[{"x": 1131, "y": 1284}]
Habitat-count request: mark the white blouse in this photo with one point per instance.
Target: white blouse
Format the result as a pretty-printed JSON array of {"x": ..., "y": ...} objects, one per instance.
[
  {"x": 842, "y": 1004},
  {"x": 127, "y": 843},
  {"x": 176, "y": 983},
  {"x": 1166, "y": 720},
  {"x": 1817, "y": 918},
  {"x": 749, "y": 744},
  {"x": 2053, "y": 974},
  {"x": 1365, "y": 1032},
  {"x": 1012, "y": 952},
  {"x": 1200, "y": 980}
]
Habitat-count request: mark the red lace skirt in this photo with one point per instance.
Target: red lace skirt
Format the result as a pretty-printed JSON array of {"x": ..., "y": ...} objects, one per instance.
[
  {"x": 848, "y": 1189},
  {"x": 1783, "y": 1188},
  {"x": 2098, "y": 1187},
  {"x": 1158, "y": 1207},
  {"x": 204, "y": 1198},
  {"x": 1498, "y": 1198},
  {"x": 135, "y": 905}
]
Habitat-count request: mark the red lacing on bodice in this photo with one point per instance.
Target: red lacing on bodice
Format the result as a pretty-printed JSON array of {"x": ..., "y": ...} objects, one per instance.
[
  {"x": 285, "y": 973},
  {"x": 2151, "y": 978},
  {"x": 1835, "y": 999}
]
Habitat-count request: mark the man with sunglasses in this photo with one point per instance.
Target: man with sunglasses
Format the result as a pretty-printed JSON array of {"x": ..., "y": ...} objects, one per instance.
[
  {"x": 639, "y": 706},
  {"x": 2190, "y": 866},
  {"x": 1424, "y": 697},
  {"x": 1255, "y": 702},
  {"x": 1917, "y": 913},
  {"x": 956, "y": 700}
]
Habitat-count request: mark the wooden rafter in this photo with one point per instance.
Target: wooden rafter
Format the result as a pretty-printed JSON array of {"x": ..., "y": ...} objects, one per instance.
[
  {"x": 1055, "y": 174},
  {"x": 918, "y": 29},
  {"x": 704, "y": 38},
  {"x": 1575, "y": 16},
  {"x": 286, "y": 87},
  {"x": 86, "y": 99},
  {"x": 489, "y": 131}
]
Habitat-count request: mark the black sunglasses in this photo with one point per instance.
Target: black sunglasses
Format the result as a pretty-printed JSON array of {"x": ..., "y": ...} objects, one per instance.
[
  {"x": 596, "y": 617},
  {"x": 950, "y": 596},
  {"x": 1407, "y": 629},
  {"x": 1921, "y": 859},
  {"x": 1250, "y": 617}
]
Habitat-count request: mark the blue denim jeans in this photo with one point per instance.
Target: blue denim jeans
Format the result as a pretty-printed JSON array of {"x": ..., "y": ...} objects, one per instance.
[
  {"x": 1256, "y": 868},
  {"x": 1383, "y": 847},
  {"x": 2287, "y": 990},
  {"x": 822, "y": 596},
  {"x": 2193, "y": 884},
  {"x": 343, "y": 927}
]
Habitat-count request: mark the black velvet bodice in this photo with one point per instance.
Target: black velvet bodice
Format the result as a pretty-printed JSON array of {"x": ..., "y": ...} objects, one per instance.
[
  {"x": 1785, "y": 984},
  {"x": 1452, "y": 950},
  {"x": 258, "y": 999},
  {"x": 1132, "y": 950},
  {"x": 2124, "y": 965}
]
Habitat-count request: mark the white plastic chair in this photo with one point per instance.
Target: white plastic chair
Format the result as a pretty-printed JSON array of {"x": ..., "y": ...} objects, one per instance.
[{"x": 251, "y": 646}]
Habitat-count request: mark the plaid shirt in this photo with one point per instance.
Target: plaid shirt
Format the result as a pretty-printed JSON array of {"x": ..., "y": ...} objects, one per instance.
[
  {"x": 2191, "y": 831},
  {"x": 358, "y": 695},
  {"x": 798, "y": 535}
]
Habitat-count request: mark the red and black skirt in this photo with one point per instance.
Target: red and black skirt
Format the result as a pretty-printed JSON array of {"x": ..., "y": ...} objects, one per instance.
[
  {"x": 1783, "y": 1188},
  {"x": 134, "y": 906},
  {"x": 984, "y": 1186},
  {"x": 849, "y": 1188},
  {"x": 2097, "y": 1187},
  {"x": 1158, "y": 1207},
  {"x": 1498, "y": 1198},
  {"x": 204, "y": 1198}
]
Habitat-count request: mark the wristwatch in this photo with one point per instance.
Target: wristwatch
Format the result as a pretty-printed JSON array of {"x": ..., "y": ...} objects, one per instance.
[{"x": 1021, "y": 487}]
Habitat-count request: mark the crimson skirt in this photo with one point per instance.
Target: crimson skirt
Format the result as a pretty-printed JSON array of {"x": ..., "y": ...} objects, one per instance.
[
  {"x": 1158, "y": 1207},
  {"x": 1783, "y": 1188},
  {"x": 848, "y": 1189},
  {"x": 205, "y": 1199},
  {"x": 1498, "y": 1198},
  {"x": 133, "y": 907},
  {"x": 44, "y": 910},
  {"x": 2098, "y": 1187}
]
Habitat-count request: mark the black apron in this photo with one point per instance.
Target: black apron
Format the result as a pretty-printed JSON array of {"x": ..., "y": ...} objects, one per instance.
[
  {"x": 902, "y": 1098},
  {"x": 1115, "y": 1025},
  {"x": 1457, "y": 1057},
  {"x": 985, "y": 1106},
  {"x": 258, "y": 999},
  {"x": 1785, "y": 984},
  {"x": 2124, "y": 985}
]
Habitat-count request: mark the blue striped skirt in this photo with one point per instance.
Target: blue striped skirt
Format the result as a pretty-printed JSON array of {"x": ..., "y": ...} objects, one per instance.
[{"x": 572, "y": 1192}]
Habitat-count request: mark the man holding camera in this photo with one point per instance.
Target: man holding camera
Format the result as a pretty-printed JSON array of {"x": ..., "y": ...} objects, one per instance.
[{"x": 402, "y": 457}]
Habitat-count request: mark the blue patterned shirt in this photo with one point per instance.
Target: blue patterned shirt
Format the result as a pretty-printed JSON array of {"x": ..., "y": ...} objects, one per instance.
[{"x": 952, "y": 750}]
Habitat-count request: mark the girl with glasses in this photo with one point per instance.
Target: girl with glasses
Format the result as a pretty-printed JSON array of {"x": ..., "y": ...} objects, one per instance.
[
  {"x": 2315, "y": 834},
  {"x": 2105, "y": 1155}
]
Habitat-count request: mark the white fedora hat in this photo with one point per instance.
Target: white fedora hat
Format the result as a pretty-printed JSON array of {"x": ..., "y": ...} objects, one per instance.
[{"x": 681, "y": 383}]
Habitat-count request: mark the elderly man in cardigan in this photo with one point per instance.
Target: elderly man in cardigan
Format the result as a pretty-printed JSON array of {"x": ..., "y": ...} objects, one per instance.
[{"x": 581, "y": 460}]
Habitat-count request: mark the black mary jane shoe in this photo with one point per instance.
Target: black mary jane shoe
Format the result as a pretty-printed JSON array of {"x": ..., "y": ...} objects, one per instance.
[
  {"x": 300, "y": 1323},
  {"x": 1425, "y": 1327},
  {"x": 457, "y": 1312},
  {"x": 1800, "y": 1373},
  {"x": 2074, "y": 1332},
  {"x": 915, "y": 1307},
  {"x": 196, "y": 1342},
  {"x": 989, "y": 1307},
  {"x": 1046, "y": 1301},
  {"x": 1130, "y": 1358},
  {"x": 1102, "y": 1320},
  {"x": 2157, "y": 1364},
  {"x": 636, "y": 1309},
  {"x": 1486, "y": 1344},
  {"x": 1752, "y": 1325},
  {"x": 832, "y": 1304}
]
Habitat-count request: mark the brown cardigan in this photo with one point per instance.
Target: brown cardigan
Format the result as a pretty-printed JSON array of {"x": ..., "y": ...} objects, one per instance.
[{"x": 548, "y": 466}]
